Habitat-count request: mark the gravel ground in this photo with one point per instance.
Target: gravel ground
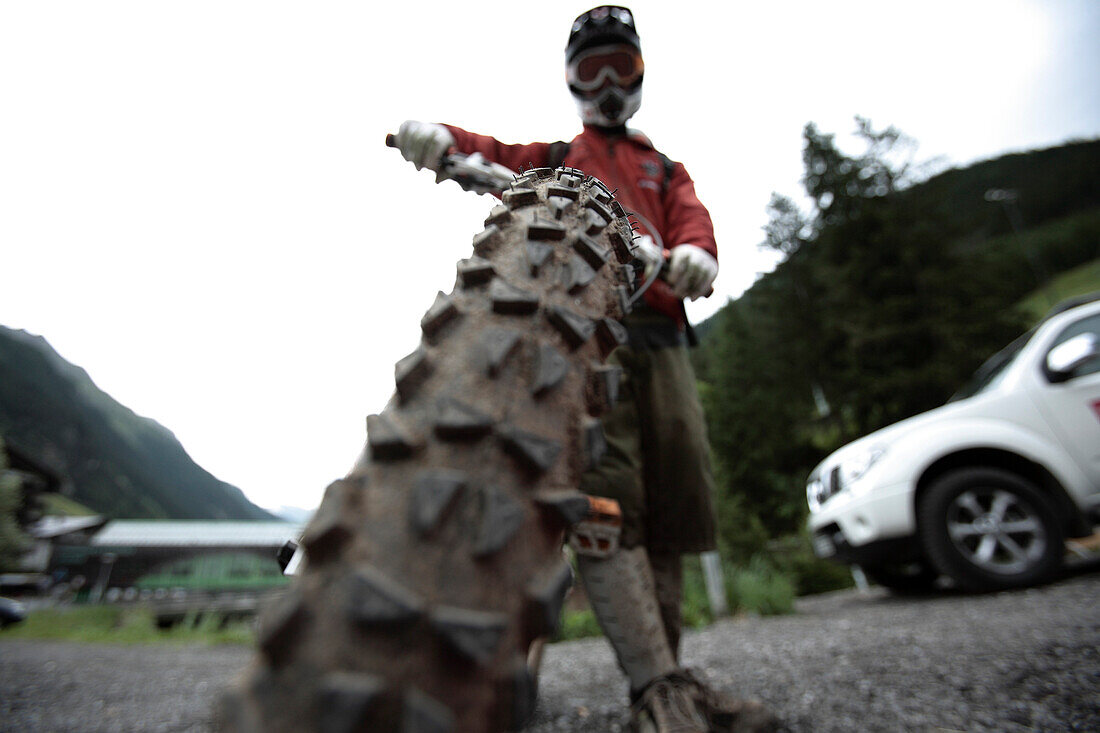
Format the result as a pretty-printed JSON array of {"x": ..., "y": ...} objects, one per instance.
[{"x": 1020, "y": 661}]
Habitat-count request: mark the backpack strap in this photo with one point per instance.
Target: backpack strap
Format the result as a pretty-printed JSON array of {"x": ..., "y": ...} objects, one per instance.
[
  {"x": 558, "y": 151},
  {"x": 670, "y": 168}
]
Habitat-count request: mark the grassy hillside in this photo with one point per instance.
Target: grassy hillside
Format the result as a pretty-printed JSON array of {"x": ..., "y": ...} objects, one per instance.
[
  {"x": 58, "y": 505},
  {"x": 1078, "y": 281},
  {"x": 1046, "y": 185},
  {"x": 119, "y": 464}
]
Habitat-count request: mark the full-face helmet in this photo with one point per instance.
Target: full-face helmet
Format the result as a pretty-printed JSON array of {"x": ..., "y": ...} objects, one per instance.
[{"x": 603, "y": 66}]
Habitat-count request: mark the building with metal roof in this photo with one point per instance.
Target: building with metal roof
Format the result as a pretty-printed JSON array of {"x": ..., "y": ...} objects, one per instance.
[
  {"x": 127, "y": 553},
  {"x": 154, "y": 533}
]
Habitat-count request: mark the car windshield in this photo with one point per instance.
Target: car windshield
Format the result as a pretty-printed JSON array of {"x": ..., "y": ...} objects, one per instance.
[{"x": 990, "y": 372}]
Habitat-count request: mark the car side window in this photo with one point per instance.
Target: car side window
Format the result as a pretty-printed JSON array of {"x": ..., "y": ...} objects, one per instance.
[{"x": 1090, "y": 324}]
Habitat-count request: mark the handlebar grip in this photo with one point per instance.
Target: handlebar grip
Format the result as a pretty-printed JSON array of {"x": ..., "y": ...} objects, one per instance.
[
  {"x": 663, "y": 273},
  {"x": 391, "y": 141}
]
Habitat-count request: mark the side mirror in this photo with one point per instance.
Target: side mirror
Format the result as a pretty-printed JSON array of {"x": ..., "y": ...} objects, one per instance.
[{"x": 1068, "y": 356}]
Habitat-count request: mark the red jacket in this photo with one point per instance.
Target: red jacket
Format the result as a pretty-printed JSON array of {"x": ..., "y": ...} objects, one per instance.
[{"x": 632, "y": 165}]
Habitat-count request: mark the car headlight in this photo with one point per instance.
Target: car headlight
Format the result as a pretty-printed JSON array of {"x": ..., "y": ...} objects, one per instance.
[
  {"x": 854, "y": 467},
  {"x": 816, "y": 494}
]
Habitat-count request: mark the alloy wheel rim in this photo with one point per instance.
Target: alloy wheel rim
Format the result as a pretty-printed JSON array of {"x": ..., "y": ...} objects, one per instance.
[{"x": 996, "y": 531}]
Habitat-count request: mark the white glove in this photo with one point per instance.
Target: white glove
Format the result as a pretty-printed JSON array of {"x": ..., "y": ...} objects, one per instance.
[
  {"x": 691, "y": 271},
  {"x": 646, "y": 250},
  {"x": 423, "y": 143}
]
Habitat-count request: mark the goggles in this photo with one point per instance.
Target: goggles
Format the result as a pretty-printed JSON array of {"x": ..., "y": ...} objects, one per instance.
[{"x": 591, "y": 69}]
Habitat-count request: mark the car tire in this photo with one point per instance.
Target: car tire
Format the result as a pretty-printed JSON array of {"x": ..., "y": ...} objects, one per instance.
[
  {"x": 989, "y": 530},
  {"x": 909, "y": 579}
]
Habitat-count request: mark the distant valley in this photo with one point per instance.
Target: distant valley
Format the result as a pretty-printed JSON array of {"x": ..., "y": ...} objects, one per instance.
[{"x": 109, "y": 459}]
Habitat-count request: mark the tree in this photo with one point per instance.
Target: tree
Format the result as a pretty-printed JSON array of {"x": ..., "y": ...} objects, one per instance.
[
  {"x": 12, "y": 540},
  {"x": 907, "y": 313},
  {"x": 756, "y": 392},
  {"x": 878, "y": 311}
]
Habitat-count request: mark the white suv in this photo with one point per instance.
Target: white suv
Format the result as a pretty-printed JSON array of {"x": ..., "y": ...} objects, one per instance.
[{"x": 985, "y": 489}]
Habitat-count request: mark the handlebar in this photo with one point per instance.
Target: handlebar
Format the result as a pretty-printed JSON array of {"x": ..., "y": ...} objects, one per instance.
[{"x": 391, "y": 142}]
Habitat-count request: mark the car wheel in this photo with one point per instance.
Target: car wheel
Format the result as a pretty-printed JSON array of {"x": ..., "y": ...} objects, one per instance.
[
  {"x": 912, "y": 578},
  {"x": 989, "y": 529}
]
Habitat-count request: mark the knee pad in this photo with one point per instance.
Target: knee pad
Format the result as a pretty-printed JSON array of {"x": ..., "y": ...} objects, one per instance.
[{"x": 597, "y": 535}]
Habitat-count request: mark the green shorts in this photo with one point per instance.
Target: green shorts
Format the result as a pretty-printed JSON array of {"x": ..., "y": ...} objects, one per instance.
[{"x": 657, "y": 464}]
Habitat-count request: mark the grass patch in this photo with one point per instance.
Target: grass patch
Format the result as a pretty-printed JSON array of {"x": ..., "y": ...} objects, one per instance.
[
  {"x": 761, "y": 588},
  {"x": 695, "y": 608},
  {"x": 1081, "y": 280},
  {"x": 126, "y": 625},
  {"x": 578, "y": 625}
]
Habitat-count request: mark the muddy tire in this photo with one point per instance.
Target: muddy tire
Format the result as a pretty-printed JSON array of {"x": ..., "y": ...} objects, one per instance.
[{"x": 434, "y": 565}]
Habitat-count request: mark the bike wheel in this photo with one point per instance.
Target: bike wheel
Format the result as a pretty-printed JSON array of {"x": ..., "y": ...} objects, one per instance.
[{"x": 432, "y": 567}]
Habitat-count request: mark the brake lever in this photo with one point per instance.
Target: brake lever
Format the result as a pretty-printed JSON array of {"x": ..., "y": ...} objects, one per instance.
[{"x": 658, "y": 273}]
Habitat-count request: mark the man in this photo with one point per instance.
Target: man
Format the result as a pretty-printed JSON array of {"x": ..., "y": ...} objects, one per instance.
[{"x": 657, "y": 464}]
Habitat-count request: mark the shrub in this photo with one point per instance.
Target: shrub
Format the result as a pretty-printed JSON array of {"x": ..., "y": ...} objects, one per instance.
[
  {"x": 760, "y": 589},
  {"x": 578, "y": 625}
]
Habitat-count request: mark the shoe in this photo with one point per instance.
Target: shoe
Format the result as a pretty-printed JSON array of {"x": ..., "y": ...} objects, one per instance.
[
  {"x": 667, "y": 705},
  {"x": 725, "y": 713}
]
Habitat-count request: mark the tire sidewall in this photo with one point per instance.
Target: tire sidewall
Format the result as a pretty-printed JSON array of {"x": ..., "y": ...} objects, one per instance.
[{"x": 945, "y": 556}]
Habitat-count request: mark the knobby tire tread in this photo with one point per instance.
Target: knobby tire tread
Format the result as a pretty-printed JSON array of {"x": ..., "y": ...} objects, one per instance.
[{"x": 436, "y": 562}]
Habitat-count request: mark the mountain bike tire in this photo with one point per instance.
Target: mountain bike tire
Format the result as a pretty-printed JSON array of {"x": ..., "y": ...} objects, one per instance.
[{"x": 436, "y": 563}]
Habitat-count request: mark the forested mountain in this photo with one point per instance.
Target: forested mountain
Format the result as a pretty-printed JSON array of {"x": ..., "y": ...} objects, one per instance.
[
  {"x": 892, "y": 291},
  {"x": 115, "y": 462}
]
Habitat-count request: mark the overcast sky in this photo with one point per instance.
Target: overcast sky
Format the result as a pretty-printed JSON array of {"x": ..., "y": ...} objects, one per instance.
[{"x": 197, "y": 207}]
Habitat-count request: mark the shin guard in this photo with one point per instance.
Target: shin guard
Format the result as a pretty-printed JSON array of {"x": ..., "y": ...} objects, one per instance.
[{"x": 623, "y": 596}]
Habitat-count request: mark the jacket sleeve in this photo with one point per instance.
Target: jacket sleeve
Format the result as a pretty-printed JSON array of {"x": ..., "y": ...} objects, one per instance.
[
  {"x": 516, "y": 157},
  {"x": 687, "y": 220}
]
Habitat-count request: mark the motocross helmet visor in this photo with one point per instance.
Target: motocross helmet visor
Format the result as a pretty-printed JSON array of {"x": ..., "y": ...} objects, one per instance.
[{"x": 592, "y": 69}]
